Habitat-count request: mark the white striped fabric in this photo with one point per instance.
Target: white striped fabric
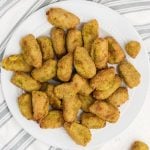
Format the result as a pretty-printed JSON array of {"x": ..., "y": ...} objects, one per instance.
[{"x": 12, "y": 136}]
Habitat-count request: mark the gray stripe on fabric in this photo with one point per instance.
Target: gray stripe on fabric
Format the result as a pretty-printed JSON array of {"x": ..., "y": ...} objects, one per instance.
[
  {"x": 144, "y": 31},
  {"x": 54, "y": 148},
  {"x": 51, "y": 148},
  {"x": 132, "y": 11},
  {"x": 4, "y": 121},
  {"x": 21, "y": 141},
  {"x": 145, "y": 38},
  {"x": 2, "y": 105},
  {"x": 11, "y": 141},
  {"x": 4, "y": 112},
  {"x": 99, "y": 1},
  {"x": 108, "y": 1},
  {"x": 128, "y": 5},
  {"x": 28, "y": 144},
  {"x": 47, "y": 2},
  {"x": 142, "y": 25},
  {"x": 5, "y": 4},
  {"x": 1, "y": 56},
  {"x": 11, "y": 6}
]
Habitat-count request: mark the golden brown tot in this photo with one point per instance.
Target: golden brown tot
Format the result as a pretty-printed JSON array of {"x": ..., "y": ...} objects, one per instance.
[
  {"x": 79, "y": 133},
  {"x": 54, "y": 101},
  {"x": 46, "y": 72},
  {"x": 31, "y": 51},
  {"x": 116, "y": 54},
  {"x": 62, "y": 18},
  {"x": 54, "y": 119},
  {"x": 99, "y": 53},
  {"x": 90, "y": 33},
  {"x": 83, "y": 63},
  {"x": 64, "y": 90},
  {"x": 40, "y": 105},
  {"x": 119, "y": 97},
  {"x": 139, "y": 145},
  {"x": 78, "y": 83},
  {"x": 16, "y": 63},
  {"x": 92, "y": 121},
  {"x": 105, "y": 111},
  {"x": 129, "y": 73},
  {"x": 133, "y": 48},
  {"x": 46, "y": 47},
  {"x": 86, "y": 88},
  {"x": 86, "y": 102},
  {"x": 58, "y": 41},
  {"x": 25, "y": 82},
  {"x": 73, "y": 39},
  {"x": 71, "y": 106},
  {"x": 103, "y": 80},
  {"x": 25, "y": 105},
  {"x": 100, "y": 95},
  {"x": 65, "y": 67}
]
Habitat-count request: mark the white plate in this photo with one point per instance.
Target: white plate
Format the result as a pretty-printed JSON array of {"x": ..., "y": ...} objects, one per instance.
[{"x": 110, "y": 22}]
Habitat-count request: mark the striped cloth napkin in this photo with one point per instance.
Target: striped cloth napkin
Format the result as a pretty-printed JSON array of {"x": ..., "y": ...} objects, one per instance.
[{"x": 12, "y": 14}]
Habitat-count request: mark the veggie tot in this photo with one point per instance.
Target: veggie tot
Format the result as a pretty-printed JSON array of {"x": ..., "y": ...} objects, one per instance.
[
  {"x": 83, "y": 63},
  {"x": 89, "y": 33},
  {"x": 70, "y": 89},
  {"x": 86, "y": 102},
  {"x": 64, "y": 90},
  {"x": 105, "y": 111},
  {"x": 133, "y": 48},
  {"x": 71, "y": 106},
  {"x": 139, "y": 145},
  {"x": 78, "y": 83},
  {"x": 116, "y": 54},
  {"x": 46, "y": 47},
  {"x": 129, "y": 74},
  {"x": 58, "y": 41},
  {"x": 54, "y": 119},
  {"x": 31, "y": 51},
  {"x": 40, "y": 105},
  {"x": 54, "y": 101},
  {"x": 86, "y": 88},
  {"x": 46, "y": 72},
  {"x": 25, "y": 105},
  {"x": 99, "y": 53},
  {"x": 62, "y": 18},
  {"x": 16, "y": 63},
  {"x": 25, "y": 82},
  {"x": 79, "y": 133},
  {"x": 92, "y": 121},
  {"x": 103, "y": 80},
  {"x": 65, "y": 67},
  {"x": 101, "y": 95},
  {"x": 119, "y": 97},
  {"x": 73, "y": 40},
  {"x": 81, "y": 85}
]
